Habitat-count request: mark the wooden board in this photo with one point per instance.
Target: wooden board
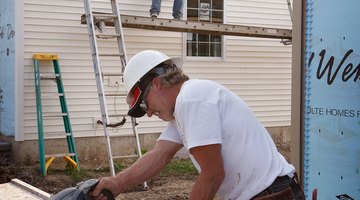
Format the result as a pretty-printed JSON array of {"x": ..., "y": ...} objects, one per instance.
[{"x": 17, "y": 189}]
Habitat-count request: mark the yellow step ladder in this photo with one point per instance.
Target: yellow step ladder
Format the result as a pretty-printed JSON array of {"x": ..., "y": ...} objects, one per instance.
[{"x": 45, "y": 160}]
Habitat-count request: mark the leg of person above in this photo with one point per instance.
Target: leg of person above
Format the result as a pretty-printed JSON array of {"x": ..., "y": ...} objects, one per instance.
[
  {"x": 177, "y": 9},
  {"x": 155, "y": 8}
]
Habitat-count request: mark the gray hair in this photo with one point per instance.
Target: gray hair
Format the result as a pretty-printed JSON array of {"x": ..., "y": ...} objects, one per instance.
[{"x": 172, "y": 76}]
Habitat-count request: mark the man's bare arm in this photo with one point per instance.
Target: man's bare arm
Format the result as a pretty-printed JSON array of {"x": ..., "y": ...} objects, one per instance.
[
  {"x": 142, "y": 170},
  {"x": 212, "y": 171}
]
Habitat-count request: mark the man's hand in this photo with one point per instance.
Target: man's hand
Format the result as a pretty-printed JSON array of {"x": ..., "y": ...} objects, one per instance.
[{"x": 108, "y": 183}]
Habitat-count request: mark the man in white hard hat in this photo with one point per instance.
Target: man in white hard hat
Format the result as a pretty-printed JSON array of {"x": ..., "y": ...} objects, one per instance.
[{"x": 234, "y": 154}]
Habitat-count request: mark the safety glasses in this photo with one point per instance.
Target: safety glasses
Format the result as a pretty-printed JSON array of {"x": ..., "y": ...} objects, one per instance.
[
  {"x": 136, "y": 97},
  {"x": 137, "y": 101}
]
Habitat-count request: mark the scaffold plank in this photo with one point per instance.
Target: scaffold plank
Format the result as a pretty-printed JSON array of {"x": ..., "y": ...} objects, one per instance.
[{"x": 139, "y": 22}]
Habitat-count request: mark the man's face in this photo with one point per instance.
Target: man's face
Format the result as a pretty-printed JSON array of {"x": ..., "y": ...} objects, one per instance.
[{"x": 159, "y": 102}]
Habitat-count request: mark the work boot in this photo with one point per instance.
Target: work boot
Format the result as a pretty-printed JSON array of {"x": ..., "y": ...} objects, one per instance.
[
  {"x": 177, "y": 18},
  {"x": 154, "y": 13}
]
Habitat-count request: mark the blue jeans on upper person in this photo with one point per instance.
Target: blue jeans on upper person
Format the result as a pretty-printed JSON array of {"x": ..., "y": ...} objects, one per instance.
[{"x": 177, "y": 8}]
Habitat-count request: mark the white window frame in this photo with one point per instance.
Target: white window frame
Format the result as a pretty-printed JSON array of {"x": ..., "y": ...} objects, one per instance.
[{"x": 200, "y": 58}]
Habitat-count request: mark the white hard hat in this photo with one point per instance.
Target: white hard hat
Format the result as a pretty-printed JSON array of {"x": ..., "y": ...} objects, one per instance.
[
  {"x": 142, "y": 63},
  {"x": 138, "y": 66}
]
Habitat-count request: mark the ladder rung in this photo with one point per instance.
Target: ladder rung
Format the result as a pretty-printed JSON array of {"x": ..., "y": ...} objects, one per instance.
[
  {"x": 49, "y": 76},
  {"x": 58, "y": 155},
  {"x": 115, "y": 94},
  {"x": 52, "y": 94},
  {"x": 111, "y": 54},
  {"x": 126, "y": 156},
  {"x": 117, "y": 115},
  {"x": 54, "y": 115},
  {"x": 112, "y": 74},
  {"x": 107, "y": 36}
]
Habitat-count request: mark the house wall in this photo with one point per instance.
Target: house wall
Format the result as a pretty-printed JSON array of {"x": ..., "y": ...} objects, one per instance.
[
  {"x": 7, "y": 67},
  {"x": 93, "y": 149},
  {"x": 257, "y": 69}
]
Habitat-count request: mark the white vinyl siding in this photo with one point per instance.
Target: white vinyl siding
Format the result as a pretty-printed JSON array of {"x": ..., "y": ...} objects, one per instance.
[
  {"x": 256, "y": 69},
  {"x": 265, "y": 81},
  {"x": 266, "y": 13}
]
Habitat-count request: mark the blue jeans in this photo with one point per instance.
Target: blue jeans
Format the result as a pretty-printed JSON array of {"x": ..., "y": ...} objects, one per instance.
[{"x": 177, "y": 7}]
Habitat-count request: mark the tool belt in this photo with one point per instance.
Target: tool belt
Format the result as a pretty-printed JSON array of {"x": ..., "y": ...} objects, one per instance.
[{"x": 283, "y": 188}]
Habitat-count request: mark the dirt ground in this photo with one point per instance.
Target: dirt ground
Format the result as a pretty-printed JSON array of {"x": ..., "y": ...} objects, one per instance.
[
  {"x": 172, "y": 186},
  {"x": 169, "y": 187}
]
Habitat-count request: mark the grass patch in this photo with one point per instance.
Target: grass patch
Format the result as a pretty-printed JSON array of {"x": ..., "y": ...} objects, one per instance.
[
  {"x": 78, "y": 176},
  {"x": 74, "y": 174},
  {"x": 179, "y": 167},
  {"x": 176, "y": 167},
  {"x": 119, "y": 166}
]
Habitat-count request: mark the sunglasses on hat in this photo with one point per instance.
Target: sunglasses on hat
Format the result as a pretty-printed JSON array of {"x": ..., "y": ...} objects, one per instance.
[
  {"x": 136, "y": 97},
  {"x": 136, "y": 100}
]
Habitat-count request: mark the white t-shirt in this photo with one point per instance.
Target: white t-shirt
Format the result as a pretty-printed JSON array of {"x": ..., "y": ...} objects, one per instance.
[{"x": 208, "y": 113}]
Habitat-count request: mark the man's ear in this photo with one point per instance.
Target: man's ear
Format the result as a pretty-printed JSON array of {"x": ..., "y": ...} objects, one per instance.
[{"x": 156, "y": 82}]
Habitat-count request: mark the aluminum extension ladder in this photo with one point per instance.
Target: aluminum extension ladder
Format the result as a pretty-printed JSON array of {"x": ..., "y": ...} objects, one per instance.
[
  {"x": 288, "y": 2},
  {"x": 288, "y": 41},
  {"x": 96, "y": 21},
  {"x": 71, "y": 157}
]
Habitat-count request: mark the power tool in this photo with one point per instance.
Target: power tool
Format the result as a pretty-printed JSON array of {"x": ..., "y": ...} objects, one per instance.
[{"x": 80, "y": 191}]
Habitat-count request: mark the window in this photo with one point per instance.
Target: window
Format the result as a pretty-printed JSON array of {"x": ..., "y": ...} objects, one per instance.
[{"x": 204, "y": 45}]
